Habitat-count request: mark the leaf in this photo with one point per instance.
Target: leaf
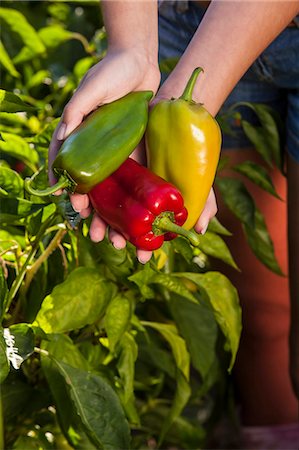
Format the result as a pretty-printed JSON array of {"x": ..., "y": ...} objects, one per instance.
[
  {"x": 266, "y": 137},
  {"x": 15, "y": 395},
  {"x": 126, "y": 365},
  {"x": 14, "y": 209},
  {"x": 224, "y": 300},
  {"x": 4, "y": 363},
  {"x": 17, "y": 147},
  {"x": 3, "y": 292},
  {"x": 24, "y": 339},
  {"x": 216, "y": 227},
  {"x": 62, "y": 349},
  {"x": 98, "y": 407},
  {"x": 237, "y": 199},
  {"x": 117, "y": 319},
  {"x": 176, "y": 343},
  {"x": 261, "y": 243},
  {"x": 258, "y": 175},
  {"x": 213, "y": 245},
  {"x": 7, "y": 62},
  {"x": 38, "y": 78},
  {"x": 18, "y": 24},
  {"x": 197, "y": 325},
  {"x": 11, "y": 182},
  {"x": 43, "y": 138},
  {"x": 54, "y": 35},
  {"x": 171, "y": 283},
  {"x": 11, "y": 103},
  {"x": 182, "y": 359},
  {"x": 80, "y": 300}
]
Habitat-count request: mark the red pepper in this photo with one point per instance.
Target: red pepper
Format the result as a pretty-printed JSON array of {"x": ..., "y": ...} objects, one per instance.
[{"x": 142, "y": 206}]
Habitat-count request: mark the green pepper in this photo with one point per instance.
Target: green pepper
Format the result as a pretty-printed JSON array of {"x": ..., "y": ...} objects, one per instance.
[
  {"x": 99, "y": 145},
  {"x": 183, "y": 146}
]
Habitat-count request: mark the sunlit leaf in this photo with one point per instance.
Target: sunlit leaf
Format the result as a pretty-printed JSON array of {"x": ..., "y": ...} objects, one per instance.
[
  {"x": 17, "y": 147},
  {"x": 80, "y": 300},
  {"x": 224, "y": 300},
  {"x": 213, "y": 245},
  {"x": 11, "y": 103},
  {"x": 11, "y": 182},
  {"x": 18, "y": 24},
  {"x": 126, "y": 366},
  {"x": 7, "y": 62}
]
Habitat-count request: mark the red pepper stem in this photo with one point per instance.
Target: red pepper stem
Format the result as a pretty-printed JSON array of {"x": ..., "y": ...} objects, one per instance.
[
  {"x": 166, "y": 224},
  {"x": 187, "y": 94},
  {"x": 62, "y": 183}
]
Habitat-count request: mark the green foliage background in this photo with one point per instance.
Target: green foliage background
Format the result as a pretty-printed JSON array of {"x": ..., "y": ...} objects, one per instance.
[{"x": 114, "y": 354}]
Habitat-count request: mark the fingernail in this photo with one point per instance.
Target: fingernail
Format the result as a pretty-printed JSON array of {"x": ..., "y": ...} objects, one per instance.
[
  {"x": 204, "y": 229},
  {"x": 61, "y": 132}
]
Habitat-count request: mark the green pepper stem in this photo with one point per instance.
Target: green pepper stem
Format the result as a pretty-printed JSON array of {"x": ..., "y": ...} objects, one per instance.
[
  {"x": 62, "y": 183},
  {"x": 165, "y": 224},
  {"x": 187, "y": 94}
]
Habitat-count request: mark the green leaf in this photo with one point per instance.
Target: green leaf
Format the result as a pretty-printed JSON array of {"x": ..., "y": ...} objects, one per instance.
[
  {"x": 213, "y": 245},
  {"x": 197, "y": 325},
  {"x": 80, "y": 300},
  {"x": 3, "y": 291},
  {"x": 98, "y": 407},
  {"x": 38, "y": 78},
  {"x": 82, "y": 66},
  {"x": 24, "y": 339},
  {"x": 265, "y": 137},
  {"x": 7, "y": 62},
  {"x": 171, "y": 283},
  {"x": 117, "y": 319},
  {"x": 261, "y": 243},
  {"x": 62, "y": 349},
  {"x": 11, "y": 103},
  {"x": 18, "y": 24},
  {"x": 43, "y": 138},
  {"x": 17, "y": 147},
  {"x": 224, "y": 300},
  {"x": 182, "y": 359},
  {"x": 14, "y": 209},
  {"x": 11, "y": 182},
  {"x": 216, "y": 227},
  {"x": 54, "y": 36},
  {"x": 258, "y": 175},
  {"x": 4, "y": 363},
  {"x": 237, "y": 199},
  {"x": 126, "y": 366}
]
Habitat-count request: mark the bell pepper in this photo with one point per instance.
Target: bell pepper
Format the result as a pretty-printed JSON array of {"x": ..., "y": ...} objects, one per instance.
[
  {"x": 99, "y": 145},
  {"x": 141, "y": 206},
  {"x": 183, "y": 143}
]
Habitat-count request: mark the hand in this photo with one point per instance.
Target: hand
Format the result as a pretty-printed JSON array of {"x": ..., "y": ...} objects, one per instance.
[{"x": 119, "y": 73}]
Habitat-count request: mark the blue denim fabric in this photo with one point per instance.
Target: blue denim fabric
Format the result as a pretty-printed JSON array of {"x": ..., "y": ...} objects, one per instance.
[{"x": 273, "y": 79}]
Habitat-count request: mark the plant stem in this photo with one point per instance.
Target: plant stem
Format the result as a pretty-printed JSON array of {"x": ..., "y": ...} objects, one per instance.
[{"x": 18, "y": 280}]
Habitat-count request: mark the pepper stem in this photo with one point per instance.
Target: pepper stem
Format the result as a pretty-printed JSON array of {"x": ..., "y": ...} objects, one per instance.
[
  {"x": 187, "y": 94},
  {"x": 62, "y": 183},
  {"x": 166, "y": 224}
]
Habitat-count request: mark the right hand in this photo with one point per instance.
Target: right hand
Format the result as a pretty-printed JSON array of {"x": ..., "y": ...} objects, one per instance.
[{"x": 119, "y": 73}]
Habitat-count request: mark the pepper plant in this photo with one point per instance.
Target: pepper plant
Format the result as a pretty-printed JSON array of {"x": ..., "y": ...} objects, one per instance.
[{"x": 97, "y": 350}]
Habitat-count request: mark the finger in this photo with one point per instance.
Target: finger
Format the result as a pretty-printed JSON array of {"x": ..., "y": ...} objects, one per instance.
[
  {"x": 210, "y": 210},
  {"x": 143, "y": 256},
  {"x": 117, "y": 239},
  {"x": 97, "y": 229},
  {"x": 79, "y": 201},
  {"x": 84, "y": 213}
]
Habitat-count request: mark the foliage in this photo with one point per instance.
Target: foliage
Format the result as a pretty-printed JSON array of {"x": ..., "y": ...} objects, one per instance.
[{"x": 97, "y": 350}]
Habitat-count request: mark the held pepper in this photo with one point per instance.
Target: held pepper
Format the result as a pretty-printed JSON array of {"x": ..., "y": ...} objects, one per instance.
[
  {"x": 183, "y": 146},
  {"x": 99, "y": 145},
  {"x": 140, "y": 205}
]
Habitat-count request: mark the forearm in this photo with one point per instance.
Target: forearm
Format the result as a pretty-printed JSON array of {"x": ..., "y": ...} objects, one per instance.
[
  {"x": 230, "y": 37},
  {"x": 132, "y": 25}
]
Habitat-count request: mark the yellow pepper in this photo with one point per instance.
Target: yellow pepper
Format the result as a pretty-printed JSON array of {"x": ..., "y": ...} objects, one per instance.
[{"x": 183, "y": 143}]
